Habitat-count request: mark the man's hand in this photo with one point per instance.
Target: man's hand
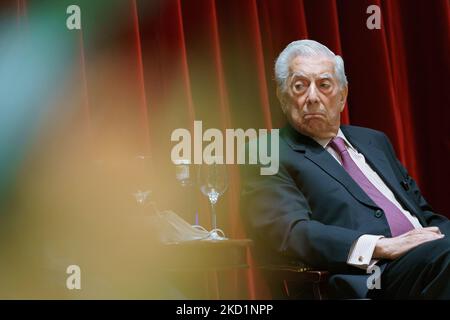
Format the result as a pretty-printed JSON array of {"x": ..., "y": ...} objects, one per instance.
[{"x": 392, "y": 248}]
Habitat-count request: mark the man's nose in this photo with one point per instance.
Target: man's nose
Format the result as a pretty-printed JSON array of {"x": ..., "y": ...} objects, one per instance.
[{"x": 313, "y": 96}]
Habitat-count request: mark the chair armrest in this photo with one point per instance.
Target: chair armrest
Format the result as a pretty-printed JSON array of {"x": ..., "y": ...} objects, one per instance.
[{"x": 296, "y": 273}]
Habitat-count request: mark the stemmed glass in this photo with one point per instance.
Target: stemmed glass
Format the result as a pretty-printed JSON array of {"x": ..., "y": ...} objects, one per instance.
[
  {"x": 213, "y": 182},
  {"x": 142, "y": 178},
  {"x": 186, "y": 179}
]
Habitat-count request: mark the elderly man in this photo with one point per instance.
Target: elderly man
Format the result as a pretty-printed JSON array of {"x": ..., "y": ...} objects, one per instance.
[{"x": 341, "y": 201}]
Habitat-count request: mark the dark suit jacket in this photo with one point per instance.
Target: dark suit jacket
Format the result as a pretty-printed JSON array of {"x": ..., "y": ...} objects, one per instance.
[{"x": 312, "y": 211}]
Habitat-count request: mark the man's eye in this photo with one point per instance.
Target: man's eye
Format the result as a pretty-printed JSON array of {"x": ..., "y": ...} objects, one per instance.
[
  {"x": 298, "y": 86},
  {"x": 325, "y": 85}
]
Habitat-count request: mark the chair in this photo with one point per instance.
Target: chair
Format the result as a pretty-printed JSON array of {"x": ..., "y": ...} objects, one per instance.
[{"x": 296, "y": 281}]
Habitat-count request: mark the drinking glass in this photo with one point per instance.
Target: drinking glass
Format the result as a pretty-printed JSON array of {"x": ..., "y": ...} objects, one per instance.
[{"x": 213, "y": 182}]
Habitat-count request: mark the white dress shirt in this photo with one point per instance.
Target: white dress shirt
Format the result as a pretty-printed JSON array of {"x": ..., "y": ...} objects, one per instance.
[{"x": 361, "y": 252}]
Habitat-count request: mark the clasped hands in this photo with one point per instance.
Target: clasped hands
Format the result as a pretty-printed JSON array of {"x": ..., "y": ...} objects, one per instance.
[{"x": 392, "y": 248}]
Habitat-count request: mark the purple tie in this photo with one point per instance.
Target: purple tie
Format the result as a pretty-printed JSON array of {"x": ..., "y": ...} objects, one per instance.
[{"x": 398, "y": 222}]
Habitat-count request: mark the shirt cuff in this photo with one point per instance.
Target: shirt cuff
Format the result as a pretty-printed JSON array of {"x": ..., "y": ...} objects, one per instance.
[{"x": 361, "y": 252}]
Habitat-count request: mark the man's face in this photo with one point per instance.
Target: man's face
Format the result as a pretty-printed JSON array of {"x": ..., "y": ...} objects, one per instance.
[{"x": 314, "y": 99}]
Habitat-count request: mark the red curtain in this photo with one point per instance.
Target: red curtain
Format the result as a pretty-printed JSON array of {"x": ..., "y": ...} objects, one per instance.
[
  {"x": 154, "y": 66},
  {"x": 221, "y": 55},
  {"x": 397, "y": 75}
]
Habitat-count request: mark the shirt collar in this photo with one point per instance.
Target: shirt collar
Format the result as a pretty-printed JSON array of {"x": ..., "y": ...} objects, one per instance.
[{"x": 325, "y": 142}]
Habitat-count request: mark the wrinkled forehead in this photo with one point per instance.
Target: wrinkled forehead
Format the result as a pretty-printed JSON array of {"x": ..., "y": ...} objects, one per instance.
[{"x": 312, "y": 67}]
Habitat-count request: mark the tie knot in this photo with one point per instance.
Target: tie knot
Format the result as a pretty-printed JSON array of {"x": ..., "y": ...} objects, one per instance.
[{"x": 338, "y": 144}]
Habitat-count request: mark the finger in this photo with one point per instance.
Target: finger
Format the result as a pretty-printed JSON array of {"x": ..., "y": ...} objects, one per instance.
[
  {"x": 432, "y": 229},
  {"x": 423, "y": 236},
  {"x": 427, "y": 238},
  {"x": 431, "y": 236}
]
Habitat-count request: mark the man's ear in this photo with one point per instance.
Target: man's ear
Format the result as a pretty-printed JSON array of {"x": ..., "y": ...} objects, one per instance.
[
  {"x": 282, "y": 99},
  {"x": 343, "y": 98}
]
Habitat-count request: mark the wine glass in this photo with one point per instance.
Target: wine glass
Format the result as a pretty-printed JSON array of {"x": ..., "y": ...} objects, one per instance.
[
  {"x": 185, "y": 178},
  {"x": 141, "y": 178},
  {"x": 213, "y": 182},
  {"x": 182, "y": 173}
]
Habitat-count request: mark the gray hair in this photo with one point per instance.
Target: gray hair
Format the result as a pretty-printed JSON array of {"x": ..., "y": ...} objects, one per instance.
[{"x": 306, "y": 48}]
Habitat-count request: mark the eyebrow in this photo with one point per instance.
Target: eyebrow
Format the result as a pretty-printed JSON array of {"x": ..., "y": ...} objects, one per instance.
[
  {"x": 298, "y": 74},
  {"x": 326, "y": 75}
]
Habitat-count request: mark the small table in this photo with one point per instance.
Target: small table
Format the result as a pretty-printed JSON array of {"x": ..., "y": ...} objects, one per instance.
[{"x": 208, "y": 263}]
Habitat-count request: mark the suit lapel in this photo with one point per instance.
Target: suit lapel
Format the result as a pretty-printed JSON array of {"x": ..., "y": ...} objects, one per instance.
[
  {"x": 327, "y": 163},
  {"x": 323, "y": 159}
]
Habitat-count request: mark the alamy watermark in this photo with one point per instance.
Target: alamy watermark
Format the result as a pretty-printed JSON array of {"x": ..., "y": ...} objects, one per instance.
[
  {"x": 74, "y": 279},
  {"x": 374, "y": 20},
  {"x": 73, "y": 21},
  {"x": 262, "y": 147},
  {"x": 374, "y": 280}
]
